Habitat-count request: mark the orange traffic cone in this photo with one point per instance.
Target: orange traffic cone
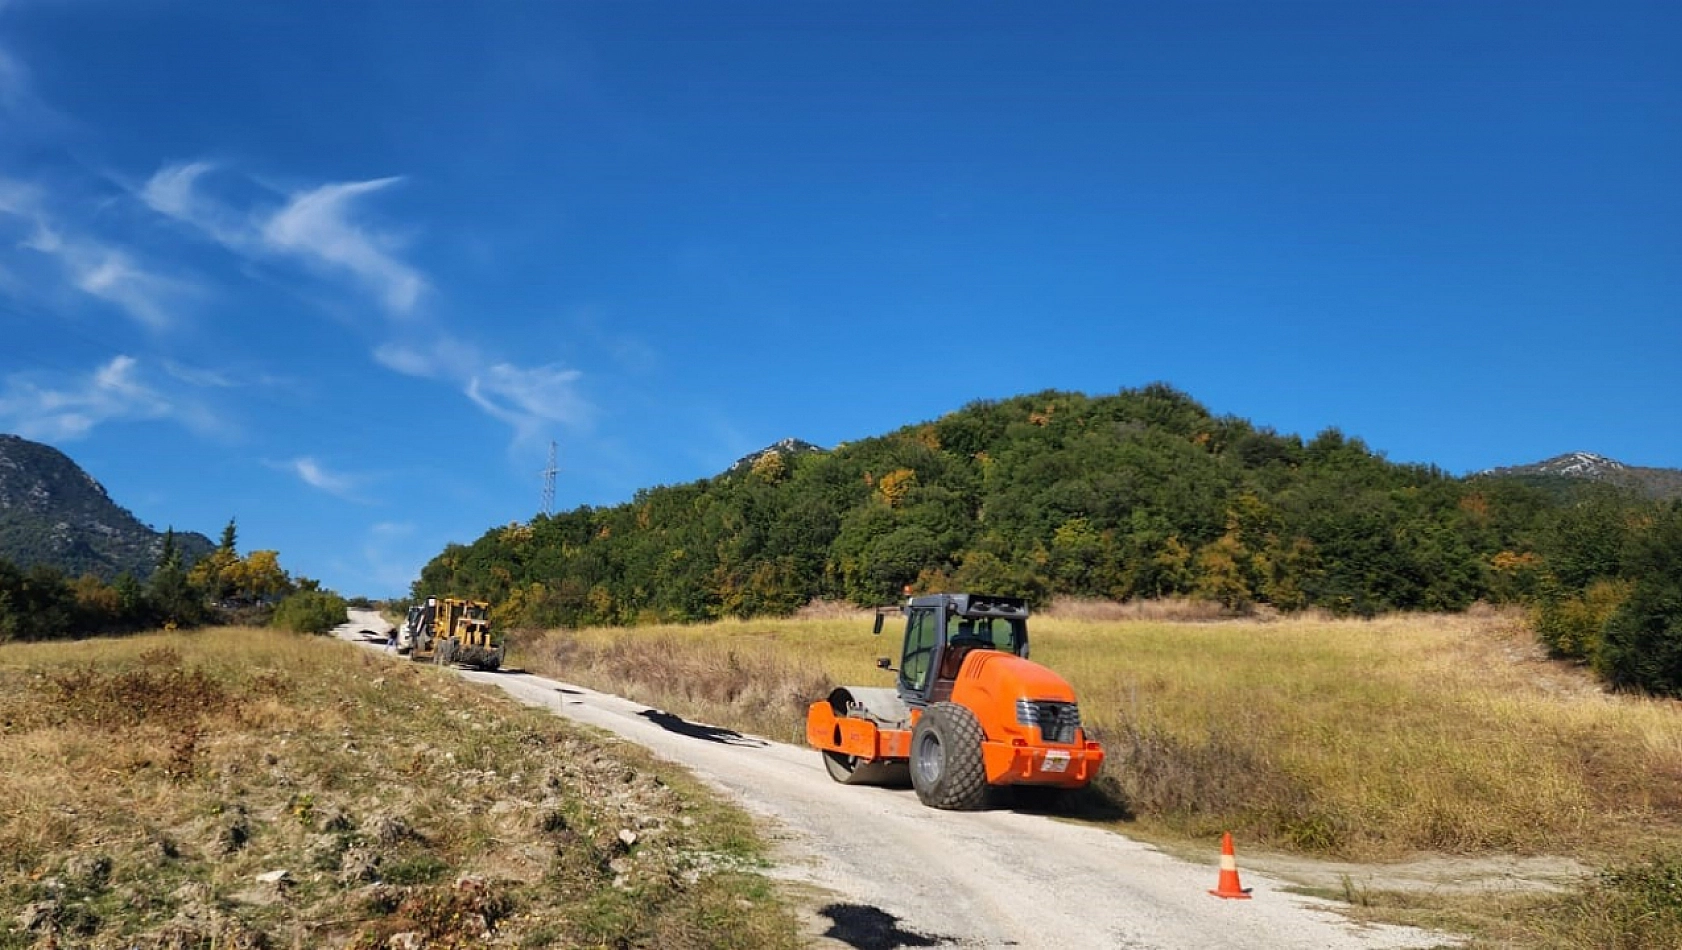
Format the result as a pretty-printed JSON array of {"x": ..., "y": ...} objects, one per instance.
[{"x": 1228, "y": 885}]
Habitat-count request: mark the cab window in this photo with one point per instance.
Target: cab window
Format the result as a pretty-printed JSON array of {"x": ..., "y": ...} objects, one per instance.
[
  {"x": 1002, "y": 634},
  {"x": 919, "y": 649}
]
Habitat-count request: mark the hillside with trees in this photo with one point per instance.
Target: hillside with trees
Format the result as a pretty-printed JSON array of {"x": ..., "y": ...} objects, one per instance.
[
  {"x": 74, "y": 563},
  {"x": 54, "y": 514},
  {"x": 1141, "y": 494},
  {"x": 44, "y": 603}
]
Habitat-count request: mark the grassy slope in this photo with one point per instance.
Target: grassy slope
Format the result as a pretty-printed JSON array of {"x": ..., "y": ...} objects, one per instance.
[
  {"x": 149, "y": 782},
  {"x": 1368, "y": 740}
]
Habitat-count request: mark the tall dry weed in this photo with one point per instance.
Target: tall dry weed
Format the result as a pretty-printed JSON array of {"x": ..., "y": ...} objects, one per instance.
[
  {"x": 759, "y": 692},
  {"x": 1164, "y": 610}
]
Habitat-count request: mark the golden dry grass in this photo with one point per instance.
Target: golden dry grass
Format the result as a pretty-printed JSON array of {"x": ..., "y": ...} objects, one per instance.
[
  {"x": 1363, "y": 739},
  {"x": 1374, "y": 738},
  {"x": 149, "y": 782}
]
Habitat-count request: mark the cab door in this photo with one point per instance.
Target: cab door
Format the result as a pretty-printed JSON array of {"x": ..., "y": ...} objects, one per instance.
[{"x": 916, "y": 666}]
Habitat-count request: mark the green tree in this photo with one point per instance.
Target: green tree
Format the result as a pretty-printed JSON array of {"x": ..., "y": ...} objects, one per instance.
[
  {"x": 1221, "y": 567},
  {"x": 258, "y": 576},
  {"x": 35, "y": 604},
  {"x": 1077, "y": 553},
  {"x": 216, "y": 574},
  {"x": 172, "y": 598},
  {"x": 1642, "y": 647}
]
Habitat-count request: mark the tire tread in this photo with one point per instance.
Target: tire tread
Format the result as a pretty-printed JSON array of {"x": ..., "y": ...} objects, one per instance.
[{"x": 962, "y": 785}]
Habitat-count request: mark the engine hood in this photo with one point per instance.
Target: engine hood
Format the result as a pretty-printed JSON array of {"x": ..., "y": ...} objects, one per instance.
[{"x": 991, "y": 682}]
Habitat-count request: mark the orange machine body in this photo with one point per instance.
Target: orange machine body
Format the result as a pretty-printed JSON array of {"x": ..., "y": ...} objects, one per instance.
[{"x": 993, "y": 685}]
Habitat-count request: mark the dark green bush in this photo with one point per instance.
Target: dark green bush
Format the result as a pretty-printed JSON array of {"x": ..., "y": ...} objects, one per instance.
[
  {"x": 311, "y": 611},
  {"x": 1642, "y": 644}
]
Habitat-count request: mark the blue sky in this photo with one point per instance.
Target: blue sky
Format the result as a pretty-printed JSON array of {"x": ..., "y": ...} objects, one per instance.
[{"x": 344, "y": 270}]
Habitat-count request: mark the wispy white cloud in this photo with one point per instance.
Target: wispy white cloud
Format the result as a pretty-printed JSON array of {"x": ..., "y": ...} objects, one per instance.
[
  {"x": 386, "y": 563},
  {"x": 529, "y": 400},
  {"x": 200, "y": 376},
  {"x": 19, "y": 199},
  {"x": 112, "y": 275},
  {"x": 95, "y": 267},
  {"x": 171, "y": 192},
  {"x": 532, "y": 401},
  {"x": 322, "y": 227},
  {"x": 23, "y": 115},
  {"x": 319, "y": 226},
  {"x": 317, "y": 476},
  {"x": 81, "y": 252},
  {"x": 115, "y": 391},
  {"x": 14, "y": 82},
  {"x": 410, "y": 360},
  {"x": 205, "y": 377}
]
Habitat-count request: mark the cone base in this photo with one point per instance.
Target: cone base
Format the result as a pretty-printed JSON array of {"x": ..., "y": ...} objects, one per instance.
[{"x": 1239, "y": 896}]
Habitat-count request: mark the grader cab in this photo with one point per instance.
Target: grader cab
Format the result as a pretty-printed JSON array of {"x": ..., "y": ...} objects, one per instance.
[{"x": 969, "y": 711}]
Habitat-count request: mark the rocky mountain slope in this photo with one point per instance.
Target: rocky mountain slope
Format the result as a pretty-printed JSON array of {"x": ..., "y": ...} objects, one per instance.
[
  {"x": 787, "y": 448},
  {"x": 54, "y": 513},
  {"x": 1661, "y": 483}
]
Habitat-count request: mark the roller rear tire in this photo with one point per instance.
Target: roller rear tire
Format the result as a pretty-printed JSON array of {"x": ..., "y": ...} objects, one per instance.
[{"x": 946, "y": 766}]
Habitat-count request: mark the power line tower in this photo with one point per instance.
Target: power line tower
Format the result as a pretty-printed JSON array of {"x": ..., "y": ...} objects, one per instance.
[{"x": 549, "y": 483}]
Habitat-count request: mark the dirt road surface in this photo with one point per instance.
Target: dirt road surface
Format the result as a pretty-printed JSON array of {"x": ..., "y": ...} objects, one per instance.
[{"x": 883, "y": 871}]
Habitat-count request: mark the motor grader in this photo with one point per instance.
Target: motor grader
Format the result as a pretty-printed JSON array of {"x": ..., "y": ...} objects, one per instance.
[
  {"x": 969, "y": 712},
  {"x": 449, "y": 630}
]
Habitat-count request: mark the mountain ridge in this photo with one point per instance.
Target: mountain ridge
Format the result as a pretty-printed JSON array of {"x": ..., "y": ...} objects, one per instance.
[
  {"x": 53, "y": 513},
  {"x": 1660, "y": 483}
]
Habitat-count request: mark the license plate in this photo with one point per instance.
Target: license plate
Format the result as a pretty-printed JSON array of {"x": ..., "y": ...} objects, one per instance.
[{"x": 1056, "y": 760}]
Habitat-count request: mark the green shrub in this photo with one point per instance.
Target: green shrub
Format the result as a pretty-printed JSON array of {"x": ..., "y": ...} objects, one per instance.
[
  {"x": 1642, "y": 648},
  {"x": 311, "y": 611},
  {"x": 1572, "y": 626},
  {"x": 1633, "y": 907}
]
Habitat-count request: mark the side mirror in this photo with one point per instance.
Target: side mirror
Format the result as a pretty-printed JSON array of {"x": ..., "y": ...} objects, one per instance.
[
  {"x": 876, "y": 630},
  {"x": 883, "y": 663}
]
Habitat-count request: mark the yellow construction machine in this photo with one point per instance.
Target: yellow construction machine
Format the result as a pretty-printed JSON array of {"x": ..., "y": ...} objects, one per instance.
[{"x": 449, "y": 630}]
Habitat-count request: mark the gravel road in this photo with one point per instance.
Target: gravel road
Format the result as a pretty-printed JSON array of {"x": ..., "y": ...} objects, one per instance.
[{"x": 885, "y": 872}]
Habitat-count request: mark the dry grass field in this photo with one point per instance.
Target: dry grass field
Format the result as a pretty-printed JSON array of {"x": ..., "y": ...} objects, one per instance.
[
  {"x": 247, "y": 788},
  {"x": 1359, "y": 740},
  {"x": 239, "y": 788}
]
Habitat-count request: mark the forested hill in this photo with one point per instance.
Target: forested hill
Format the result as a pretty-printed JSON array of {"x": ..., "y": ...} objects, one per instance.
[
  {"x": 53, "y": 513},
  {"x": 1139, "y": 494}
]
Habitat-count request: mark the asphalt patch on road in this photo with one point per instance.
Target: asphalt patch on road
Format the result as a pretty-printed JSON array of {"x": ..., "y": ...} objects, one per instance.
[
  {"x": 872, "y": 928},
  {"x": 695, "y": 730}
]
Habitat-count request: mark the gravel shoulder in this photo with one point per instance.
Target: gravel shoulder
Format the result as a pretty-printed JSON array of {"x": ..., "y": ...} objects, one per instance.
[{"x": 881, "y": 870}]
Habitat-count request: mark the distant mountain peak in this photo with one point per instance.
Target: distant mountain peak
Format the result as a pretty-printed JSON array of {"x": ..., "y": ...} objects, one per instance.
[
  {"x": 1653, "y": 482},
  {"x": 1582, "y": 465},
  {"x": 783, "y": 447}
]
